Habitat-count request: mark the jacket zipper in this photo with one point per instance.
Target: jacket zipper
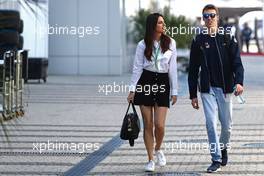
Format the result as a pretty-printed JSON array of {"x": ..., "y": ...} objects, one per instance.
[
  {"x": 221, "y": 63},
  {"x": 206, "y": 64}
]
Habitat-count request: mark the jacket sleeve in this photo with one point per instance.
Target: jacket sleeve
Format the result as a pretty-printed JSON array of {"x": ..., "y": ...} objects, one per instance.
[
  {"x": 194, "y": 66},
  {"x": 237, "y": 65}
]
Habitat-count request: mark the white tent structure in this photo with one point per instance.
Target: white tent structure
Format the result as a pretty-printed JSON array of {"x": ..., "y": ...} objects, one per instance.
[
  {"x": 193, "y": 9},
  {"x": 232, "y": 9}
]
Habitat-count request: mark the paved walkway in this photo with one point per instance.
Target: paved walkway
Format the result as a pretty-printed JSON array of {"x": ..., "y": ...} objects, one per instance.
[{"x": 72, "y": 124}]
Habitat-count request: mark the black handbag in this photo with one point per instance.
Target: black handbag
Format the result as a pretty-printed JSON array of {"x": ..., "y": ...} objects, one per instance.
[{"x": 131, "y": 126}]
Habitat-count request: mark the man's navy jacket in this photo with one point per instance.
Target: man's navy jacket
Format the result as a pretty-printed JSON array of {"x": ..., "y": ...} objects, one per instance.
[{"x": 231, "y": 68}]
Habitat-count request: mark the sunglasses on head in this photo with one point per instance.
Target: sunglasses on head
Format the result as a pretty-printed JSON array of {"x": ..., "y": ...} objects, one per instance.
[{"x": 207, "y": 15}]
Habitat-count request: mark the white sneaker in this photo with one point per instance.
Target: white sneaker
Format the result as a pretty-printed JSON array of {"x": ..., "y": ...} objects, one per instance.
[
  {"x": 150, "y": 166},
  {"x": 160, "y": 158}
]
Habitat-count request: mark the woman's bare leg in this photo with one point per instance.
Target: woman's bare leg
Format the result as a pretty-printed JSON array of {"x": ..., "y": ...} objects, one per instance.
[
  {"x": 147, "y": 114},
  {"x": 159, "y": 121}
]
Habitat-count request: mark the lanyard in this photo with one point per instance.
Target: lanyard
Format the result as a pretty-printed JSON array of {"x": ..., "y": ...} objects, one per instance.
[{"x": 156, "y": 57}]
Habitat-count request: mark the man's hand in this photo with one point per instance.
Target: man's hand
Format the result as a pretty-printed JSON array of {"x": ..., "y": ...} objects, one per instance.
[
  {"x": 173, "y": 99},
  {"x": 195, "y": 104},
  {"x": 239, "y": 90}
]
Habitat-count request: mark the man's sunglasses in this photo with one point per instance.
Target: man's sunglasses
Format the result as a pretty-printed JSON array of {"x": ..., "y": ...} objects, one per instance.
[{"x": 207, "y": 15}]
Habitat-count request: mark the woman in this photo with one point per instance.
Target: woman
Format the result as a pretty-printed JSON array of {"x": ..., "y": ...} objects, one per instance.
[{"x": 153, "y": 83}]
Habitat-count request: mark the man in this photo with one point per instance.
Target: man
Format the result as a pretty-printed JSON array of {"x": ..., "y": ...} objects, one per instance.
[
  {"x": 217, "y": 57},
  {"x": 246, "y": 35}
]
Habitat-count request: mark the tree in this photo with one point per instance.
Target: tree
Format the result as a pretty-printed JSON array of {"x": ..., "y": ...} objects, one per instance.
[
  {"x": 137, "y": 25},
  {"x": 173, "y": 23}
]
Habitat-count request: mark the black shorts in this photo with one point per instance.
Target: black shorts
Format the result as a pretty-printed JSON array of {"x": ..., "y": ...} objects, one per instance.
[{"x": 153, "y": 88}]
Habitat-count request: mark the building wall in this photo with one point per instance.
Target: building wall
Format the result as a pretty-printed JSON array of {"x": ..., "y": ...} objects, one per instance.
[{"x": 98, "y": 53}]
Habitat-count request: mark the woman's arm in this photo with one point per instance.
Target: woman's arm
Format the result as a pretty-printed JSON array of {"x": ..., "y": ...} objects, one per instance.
[
  {"x": 173, "y": 69},
  {"x": 137, "y": 67}
]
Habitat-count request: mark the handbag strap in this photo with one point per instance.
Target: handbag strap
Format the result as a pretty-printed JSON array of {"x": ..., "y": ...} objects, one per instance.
[
  {"x": 128, "y": 108},
  {"x": 133, "y": 106},
  {"x": 134, "y": 109}
]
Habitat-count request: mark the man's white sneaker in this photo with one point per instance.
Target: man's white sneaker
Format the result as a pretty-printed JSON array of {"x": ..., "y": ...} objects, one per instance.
[
  {"x": 150, "y": 166},
  {"x": 160, "y": 158}
]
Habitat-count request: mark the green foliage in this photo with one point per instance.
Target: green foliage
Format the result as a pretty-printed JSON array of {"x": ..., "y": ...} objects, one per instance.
[
  {"x": 173, "y": 25},
  {"x": 138, "y": 23}
]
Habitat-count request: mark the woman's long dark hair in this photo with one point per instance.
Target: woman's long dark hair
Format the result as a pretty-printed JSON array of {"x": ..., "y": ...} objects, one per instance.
[{"x": 151, "y": 24}]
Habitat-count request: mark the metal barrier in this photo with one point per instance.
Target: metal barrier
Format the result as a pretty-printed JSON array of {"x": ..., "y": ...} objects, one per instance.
[{"x": 11, "y": 85}]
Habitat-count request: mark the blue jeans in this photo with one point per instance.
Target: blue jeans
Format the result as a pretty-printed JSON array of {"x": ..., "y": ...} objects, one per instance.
[{"x": 217, "y": 104}]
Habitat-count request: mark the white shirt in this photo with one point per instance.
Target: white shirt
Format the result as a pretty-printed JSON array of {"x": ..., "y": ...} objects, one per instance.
[{"x": 166, "y": 63}]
